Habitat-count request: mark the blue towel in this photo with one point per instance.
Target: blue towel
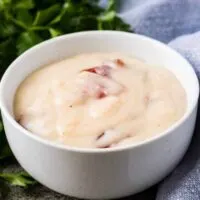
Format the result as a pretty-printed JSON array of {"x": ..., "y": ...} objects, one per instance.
[{"x": 176, "y": 23}]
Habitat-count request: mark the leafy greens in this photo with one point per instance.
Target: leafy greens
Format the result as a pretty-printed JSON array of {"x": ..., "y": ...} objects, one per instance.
[{"x": 18, "y": 179}]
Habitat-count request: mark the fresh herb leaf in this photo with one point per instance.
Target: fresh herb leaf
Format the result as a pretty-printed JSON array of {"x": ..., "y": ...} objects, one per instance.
[
  {"x": 7, "y": 29},
  {"x": 23, "y": 4},
  {"x": 45, "y": 16},
  {"x": 107, "y": 16},
  {"x": 109, "y": 21},
  {"x": 54, "y": 32},
  {"x": 112, "y": 5},
  {"x": 27, "y": 40},
  {"x": 21, "y": 179},
  {"x": 63, "y": 10},
  {"x": 24, "y": 17},
  {"x": 79, "y": 23},
  {"x": 4, "y": 4},
  {"x": 16, "y": 4}
]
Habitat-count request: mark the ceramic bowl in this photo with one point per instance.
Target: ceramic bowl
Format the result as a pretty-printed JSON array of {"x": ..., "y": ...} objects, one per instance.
[{"x": 99, "y": 173}]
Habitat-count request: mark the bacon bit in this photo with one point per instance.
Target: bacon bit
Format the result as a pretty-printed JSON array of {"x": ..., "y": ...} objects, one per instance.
[
  {"x": 101, "y": 94},
  {"x": 92, "y": 70},
  {"x": 104, "y": 70},
  {"x": 120, "y": 62}
]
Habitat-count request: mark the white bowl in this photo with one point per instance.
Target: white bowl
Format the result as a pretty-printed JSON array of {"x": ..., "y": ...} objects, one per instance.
[{"x": 94, "y": 173}]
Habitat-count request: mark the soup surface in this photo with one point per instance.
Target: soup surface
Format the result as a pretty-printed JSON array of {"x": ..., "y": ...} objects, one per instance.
[{"x": 99, "y": 100}]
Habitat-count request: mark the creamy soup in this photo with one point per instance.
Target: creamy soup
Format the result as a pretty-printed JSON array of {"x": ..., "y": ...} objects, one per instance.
[{"x": 99, "y": 100}]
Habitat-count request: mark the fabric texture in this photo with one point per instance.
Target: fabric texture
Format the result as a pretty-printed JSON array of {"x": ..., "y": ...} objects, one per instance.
[{"x": 177, "y": 23}]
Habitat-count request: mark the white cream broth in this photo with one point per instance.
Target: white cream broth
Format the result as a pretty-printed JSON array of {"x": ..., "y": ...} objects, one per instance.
[{"x": 99, "y": 100}]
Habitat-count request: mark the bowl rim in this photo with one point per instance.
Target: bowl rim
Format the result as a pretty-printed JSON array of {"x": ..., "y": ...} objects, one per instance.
[{"x": 53, "y": 144}]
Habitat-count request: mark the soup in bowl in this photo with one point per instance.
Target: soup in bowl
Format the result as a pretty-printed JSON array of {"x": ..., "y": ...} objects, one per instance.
[{"x": 99, "y": 100}]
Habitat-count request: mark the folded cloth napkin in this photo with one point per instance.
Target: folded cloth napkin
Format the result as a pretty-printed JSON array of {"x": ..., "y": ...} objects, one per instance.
[{"x": 175, "y": 22}]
